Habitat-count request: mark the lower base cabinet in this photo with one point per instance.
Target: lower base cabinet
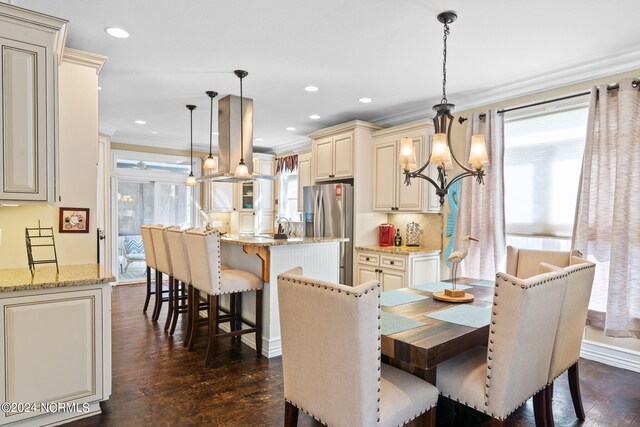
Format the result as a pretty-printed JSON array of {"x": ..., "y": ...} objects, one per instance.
[
  {"x": 55, "y": 354},
  {"x": 398, "y": 271}
]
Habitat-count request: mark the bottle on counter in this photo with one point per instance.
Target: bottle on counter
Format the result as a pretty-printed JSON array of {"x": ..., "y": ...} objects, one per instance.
[{"x": 397, "y": 240}]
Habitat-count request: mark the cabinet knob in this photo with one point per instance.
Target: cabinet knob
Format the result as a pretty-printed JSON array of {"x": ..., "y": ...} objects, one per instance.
[
  {"x": 367, "y": 258},
  {"x": 391, "y": 262}
]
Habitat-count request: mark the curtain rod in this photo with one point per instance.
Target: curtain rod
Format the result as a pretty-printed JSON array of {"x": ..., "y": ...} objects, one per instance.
[{"x": 635, "y": 84}]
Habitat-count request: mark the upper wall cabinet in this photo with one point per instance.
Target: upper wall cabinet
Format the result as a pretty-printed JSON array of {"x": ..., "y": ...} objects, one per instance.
[
  {"x": 390, "y": 194},
  {"x": 30, "y": 50},
  {"x": 333, "y": 157}
]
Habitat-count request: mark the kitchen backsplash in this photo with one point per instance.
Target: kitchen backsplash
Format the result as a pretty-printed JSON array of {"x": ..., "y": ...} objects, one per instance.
[
  {"x": 220, "y": 220},
  {"x": 430, "y": 227}
]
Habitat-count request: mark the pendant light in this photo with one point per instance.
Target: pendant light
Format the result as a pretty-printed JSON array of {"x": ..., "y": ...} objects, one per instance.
[
  {"x": 241, "y": 171},
  {"x": 210, "y": 162},
  {"x": 191, "y": 180},
  {"x": 441, "y": 152}
]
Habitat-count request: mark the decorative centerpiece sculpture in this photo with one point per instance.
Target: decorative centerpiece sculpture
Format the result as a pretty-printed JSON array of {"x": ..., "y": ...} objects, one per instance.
[{"x": 453, "y": 294}]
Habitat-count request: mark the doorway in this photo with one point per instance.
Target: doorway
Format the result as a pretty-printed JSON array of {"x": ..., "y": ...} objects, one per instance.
[{"x": 150, "y": 191}]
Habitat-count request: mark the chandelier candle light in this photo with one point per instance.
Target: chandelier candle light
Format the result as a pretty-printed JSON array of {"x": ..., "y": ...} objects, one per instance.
[
  {"x": 210, "y": 163},
  {"x": 191, "y": 180},
  {"x": 441, "y": 151}
]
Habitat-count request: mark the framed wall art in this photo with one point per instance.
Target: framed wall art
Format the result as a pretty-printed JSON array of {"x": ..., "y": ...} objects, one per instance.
[{"x": 74, "y": 220}]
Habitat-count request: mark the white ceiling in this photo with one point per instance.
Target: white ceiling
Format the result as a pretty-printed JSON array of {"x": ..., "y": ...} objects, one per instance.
[{"x": 389, "y": 50}]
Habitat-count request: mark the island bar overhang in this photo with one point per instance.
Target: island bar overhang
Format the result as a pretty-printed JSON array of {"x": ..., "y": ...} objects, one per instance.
[{"x": 266, "y": 258}]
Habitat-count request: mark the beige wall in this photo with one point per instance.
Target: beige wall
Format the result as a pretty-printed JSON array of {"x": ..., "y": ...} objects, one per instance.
[
  {"x": 78, "y": 135},
  {"x": 458, "y": 140}
]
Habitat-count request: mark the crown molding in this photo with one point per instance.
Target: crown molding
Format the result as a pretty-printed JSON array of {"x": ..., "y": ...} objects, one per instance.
[
  {"x": 107, "y": 129},
  {"x": 81, "y": 57},
  {"x": 353, "y": 124},
  {"x": 592, "y": 69}
]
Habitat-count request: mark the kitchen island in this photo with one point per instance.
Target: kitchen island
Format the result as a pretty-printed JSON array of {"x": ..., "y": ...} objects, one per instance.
[
  {"x": 266, "y": 257},
  {"x": 55, "y": 343}
]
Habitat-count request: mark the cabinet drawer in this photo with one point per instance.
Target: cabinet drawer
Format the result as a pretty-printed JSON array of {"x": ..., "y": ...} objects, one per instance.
[
  {"x": 368, "y": 259},
  {"x": 396, "y": 262}
]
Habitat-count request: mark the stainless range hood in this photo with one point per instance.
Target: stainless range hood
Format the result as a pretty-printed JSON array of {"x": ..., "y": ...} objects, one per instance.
[{"x": 229, "y": 141}]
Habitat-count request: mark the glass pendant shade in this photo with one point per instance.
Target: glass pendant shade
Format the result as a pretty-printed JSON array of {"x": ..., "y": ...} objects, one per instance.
[
  {"x": 440, "y": 151},
  {"x": 407, "y": 157},
  {"x": 478, "y": 153},
  {"x": 242, "y": 171},
  {"x": 191, "y": 180},
  {"x": 448, "y": 164},
  {"x": 210, "y": 163}
]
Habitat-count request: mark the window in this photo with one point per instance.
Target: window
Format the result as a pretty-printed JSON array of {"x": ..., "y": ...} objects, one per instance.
[
  {"x": 542, "y": 163},
  {"x": 288, "y": 199}
]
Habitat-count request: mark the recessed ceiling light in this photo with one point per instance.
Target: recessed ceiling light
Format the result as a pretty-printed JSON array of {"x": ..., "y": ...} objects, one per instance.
[
  {"x": 99, "y": 87},
  {"x": 117, "y": 32},
  {"x": 140, "y": 122},
  {"x": 314, "y": 116},
  {"x": 311, "y": 88},
  {"x": 290, "y": 128},
  {"x": 365, "y": 100},
  {"x": 257, "y": 139},
  {"x": 154, "y": 132}
]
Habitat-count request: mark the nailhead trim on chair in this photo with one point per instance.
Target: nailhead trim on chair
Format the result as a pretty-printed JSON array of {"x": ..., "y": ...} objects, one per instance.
[{"x": 490, "y": 349}]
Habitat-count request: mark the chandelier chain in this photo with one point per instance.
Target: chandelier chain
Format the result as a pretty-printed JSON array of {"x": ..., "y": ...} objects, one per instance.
[{"x": 444, "y": 64}]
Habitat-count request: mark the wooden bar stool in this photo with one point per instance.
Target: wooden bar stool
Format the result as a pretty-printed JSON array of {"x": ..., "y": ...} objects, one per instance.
[
  {"x": 181, "y": 274},
  {"x": 163, "y": 266},
  {"x": 207, "y": 275},
  {"x": 150, "y": 259}
]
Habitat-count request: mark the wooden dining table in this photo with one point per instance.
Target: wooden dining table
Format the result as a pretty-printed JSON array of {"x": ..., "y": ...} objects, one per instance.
[{"x": 419, "y": 350}]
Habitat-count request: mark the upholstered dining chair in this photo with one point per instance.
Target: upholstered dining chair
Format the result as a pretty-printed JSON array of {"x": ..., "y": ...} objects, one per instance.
[
  {"x": 331, "y": 358},
  {"x": 523, "y": 263},
  {"x": 150, "y": 259},
  {"x": 163, "y": 266},
  {"x": 573, "y": 315},
  {"x": 515, "y": 364},
  {"x": 207, "y": 275}
]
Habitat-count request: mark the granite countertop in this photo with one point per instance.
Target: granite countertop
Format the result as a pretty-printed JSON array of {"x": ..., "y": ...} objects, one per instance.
[
  {"x": 251, "y": 240},
  {"x": 399, "y": 250},
  {"x": 20, "y": 279}
]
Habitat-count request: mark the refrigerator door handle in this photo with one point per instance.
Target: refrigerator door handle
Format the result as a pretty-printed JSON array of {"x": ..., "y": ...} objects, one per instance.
[
  {"x": 316, "y": 215},
  {"x": 321, "y": 211}
]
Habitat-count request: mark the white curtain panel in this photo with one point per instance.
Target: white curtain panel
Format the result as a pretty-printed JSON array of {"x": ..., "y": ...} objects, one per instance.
[
  {"x": 481, "y": 213},
  {"x": 607, "y": 225}
]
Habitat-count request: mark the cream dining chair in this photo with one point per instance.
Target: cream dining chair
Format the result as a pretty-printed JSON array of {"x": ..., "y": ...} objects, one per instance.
[
  {"x": 181, "y": 274},
  {"x": 515, "y": 364},
  {"x": 331, "y": 358},
  {"x": 573, "y": 316},
  {"x": 163, "y": 266}
]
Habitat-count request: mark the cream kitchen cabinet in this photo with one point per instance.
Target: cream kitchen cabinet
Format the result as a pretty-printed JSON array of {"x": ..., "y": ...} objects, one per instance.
[
  {"x": 332, "y": 157},
  {"x": 390, "y": 194},
  {"x": 396, "y": 269},
  {"x": 55, "y": 347},
  {"x": 255, "y": 204},
  {"x": 30, "y": 50},
  {"x": 304, "y": 176}
]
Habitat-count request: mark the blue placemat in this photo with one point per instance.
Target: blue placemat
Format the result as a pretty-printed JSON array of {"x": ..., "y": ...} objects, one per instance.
[
  {"x": 392, "y": 323},
  {"x": 468, "y": 315},
  {"x": 486, "y": 299},
  {"x": 484, "y": 283},
  {"x": 393, "y": 298},
  {"x": 439, "y": 287}
]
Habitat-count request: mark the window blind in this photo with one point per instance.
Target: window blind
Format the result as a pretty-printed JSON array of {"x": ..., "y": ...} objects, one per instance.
[{"x": 542, "y": 164}]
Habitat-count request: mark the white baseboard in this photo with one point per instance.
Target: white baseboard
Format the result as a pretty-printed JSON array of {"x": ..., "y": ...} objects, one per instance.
[
  {"x": 270, "y": 349},
  {"x": 610, "y": 355}
]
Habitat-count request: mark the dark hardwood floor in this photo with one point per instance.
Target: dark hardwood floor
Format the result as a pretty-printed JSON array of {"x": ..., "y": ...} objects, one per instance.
[{"x": 156, "y": 382}]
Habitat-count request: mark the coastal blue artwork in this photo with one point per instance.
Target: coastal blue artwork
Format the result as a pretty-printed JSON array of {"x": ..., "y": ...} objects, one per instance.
[{"x": 452, "y": 217}]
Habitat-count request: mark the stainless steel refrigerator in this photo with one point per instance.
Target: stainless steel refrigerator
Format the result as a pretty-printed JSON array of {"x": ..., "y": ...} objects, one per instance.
[{"x": 328, "y": 212}]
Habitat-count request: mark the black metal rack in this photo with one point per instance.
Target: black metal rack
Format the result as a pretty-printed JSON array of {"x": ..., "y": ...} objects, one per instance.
[{"x": 40, "y": 236}]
